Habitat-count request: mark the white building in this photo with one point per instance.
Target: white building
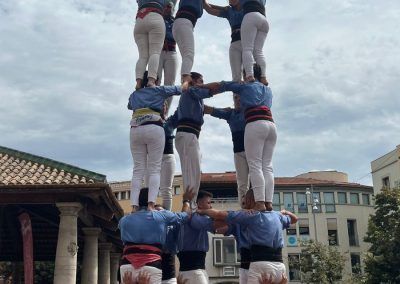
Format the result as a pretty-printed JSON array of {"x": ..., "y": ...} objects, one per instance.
[{"x": 386, "y": 170}]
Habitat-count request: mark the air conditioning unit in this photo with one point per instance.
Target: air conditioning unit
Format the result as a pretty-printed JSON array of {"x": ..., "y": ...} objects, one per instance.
[
  {"x": 228, "y": 271},
  {"x": 292, "y": 241}
]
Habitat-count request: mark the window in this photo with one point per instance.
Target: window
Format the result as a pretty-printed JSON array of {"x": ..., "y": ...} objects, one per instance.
[
  {"x": 291, "y": 236},
  {"x": 177, "y": 189},
  {"x": 342, "y": 197},
  {"x": 386, "y": 182},
  {"x": 304, "y": 230},
  {"x": 352, "y": 231},
  {"x": 329, "y": 200},
  {"x": 332, "y": 232},
  {"x": 224, "y": 251},
  {"x": 365, "y": 198},
  {"x": 294, "y": 267},
  {"x": 123, "y": 195},
  {"x": 316, "y": 203},
  {"x": 302, "y": 202},
  {"x": 288, "y": 201},
  {"x": 276, "y": 202},
  {"x": 116, "y": 195},
  {"x": 355, "y": 263},
  {"x": 354, "y": 198}
]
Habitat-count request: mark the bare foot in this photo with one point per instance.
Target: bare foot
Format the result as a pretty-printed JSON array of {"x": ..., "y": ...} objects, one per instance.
[
  {"x": 138, "y": 84},
  {"x": 268, "y": 206},
  {"x": 250, "y": 79},
  {"x": 150, "y": 206}
]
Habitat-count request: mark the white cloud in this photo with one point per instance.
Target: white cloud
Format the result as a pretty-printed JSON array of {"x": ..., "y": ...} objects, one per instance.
[{"x": 67, "y": 69}]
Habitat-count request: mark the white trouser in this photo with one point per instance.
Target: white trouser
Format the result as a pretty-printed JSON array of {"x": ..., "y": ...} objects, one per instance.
[
  {"x": 149, "y": 34},
  {"x": 147, "y": 146},
  {"x": 270, "y": 267},
  {"x": 188, "y": 148},
  {"x": 259, "y": 142},
  {"x": 166, "y": 179},
  {"x": 169, "y": 281},
  {"x": 154, "y": 273},
  {"x": 182, "y": 30},
  {"x": 243, "y": 275},
  {"x": 197, "y": 276},
  {"x": 242, "y": 174},
  {"x": 168, "y": 63},
  {"x": 253, "y": 32},
  {"x": 235, "y": 59}
]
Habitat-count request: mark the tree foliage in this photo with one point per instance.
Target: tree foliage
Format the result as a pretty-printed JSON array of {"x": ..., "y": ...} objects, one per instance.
[
  {"x": 321, "y": 263},
  {"x": 382, "y": 264}
]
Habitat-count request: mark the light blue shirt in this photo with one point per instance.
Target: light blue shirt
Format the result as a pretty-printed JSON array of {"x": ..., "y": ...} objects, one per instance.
[
  {"x": 242, "y": 2},
  {"x": 240, "y": 235},
  {"x": 252, "y": 94},
  {"x": 152, "y": 97},
  {"x": 233, "y": 16},
  {"x": 197, "y": 6},
  {"x": 149, "y": 227},
  {"x": 193, "y": 235},
  {"x": 191, "y": 106},
  {"x": 263, "y": 228}
]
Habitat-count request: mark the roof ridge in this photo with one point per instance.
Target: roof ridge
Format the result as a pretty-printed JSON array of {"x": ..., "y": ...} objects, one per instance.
[{"x": 53, "y": 164}]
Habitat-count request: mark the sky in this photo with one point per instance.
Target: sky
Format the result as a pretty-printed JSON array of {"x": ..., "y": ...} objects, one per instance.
[{"x": 67, "y": 70}]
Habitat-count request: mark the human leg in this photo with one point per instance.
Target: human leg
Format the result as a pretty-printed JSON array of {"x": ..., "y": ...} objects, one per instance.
[
  {"x": 166, "y": 179},
  {"x": 235, "y": 60},
  {"x": 242, "y": 174}
]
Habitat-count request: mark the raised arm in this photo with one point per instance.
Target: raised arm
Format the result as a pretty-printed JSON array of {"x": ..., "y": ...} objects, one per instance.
[
  {"x": 214, "y": 87},
  {"x": 212, "y": 9},
  {"x": 293, "y": 217}
]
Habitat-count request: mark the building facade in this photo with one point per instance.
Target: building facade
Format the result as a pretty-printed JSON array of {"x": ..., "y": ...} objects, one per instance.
[
  {"x": 386, "y": 170},
  {"x": 330, "y": 209}
]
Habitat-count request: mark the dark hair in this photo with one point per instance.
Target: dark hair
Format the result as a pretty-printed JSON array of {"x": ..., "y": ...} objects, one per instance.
[
  {"x": 202, "y": 194},
  {"x": 195, "y": 75},
  {"x": 143, "y": 197},
  {"x": 145, "y": 79}
]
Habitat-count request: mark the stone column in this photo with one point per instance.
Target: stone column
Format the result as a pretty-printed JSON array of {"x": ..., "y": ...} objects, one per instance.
[
  {"x": 104, "y": 263},
  {"x": 114, "y": 266},
  {"x": 67, "y": 243},
  {"x": 89, "y": 273}
]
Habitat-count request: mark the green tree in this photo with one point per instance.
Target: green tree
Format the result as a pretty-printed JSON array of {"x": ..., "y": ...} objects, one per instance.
[
  {"x": 321, "y": 263},
  {"x": 382, "y": 263}
]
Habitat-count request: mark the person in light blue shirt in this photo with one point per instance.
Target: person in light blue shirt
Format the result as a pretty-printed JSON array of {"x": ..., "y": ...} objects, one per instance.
[
  {"x": 234, "y": 14},
  {"x": 143, "y": 234},
  {"x": 235, "y": 119},
  {"x": 264, "y": 232},
  {"x": 193, "y": 243},
  {"x": 147, "y": 137},
  {"x": 260, "y": 133},
  {"x": 190, "y": 120}
]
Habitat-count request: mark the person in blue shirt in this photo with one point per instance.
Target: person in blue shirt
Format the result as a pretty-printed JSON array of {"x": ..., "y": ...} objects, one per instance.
[
  {"x": 188, "y": 13},
  {"x": 235, "y": 119},
  {"x": 234, "y": 14},
  {"x": 149, "y": 33},
  {"x": 265, "y": 235},
  {"x": 147, "y": 137},
  {"x": 190, "y": 119},
  {"x": 143, "y": 234},
  {"x": 259, "y": 136},
  {"x": 168, "y": 63},
  {"x": 193, "y": 243},
  {"x": 253, "y": 31}
]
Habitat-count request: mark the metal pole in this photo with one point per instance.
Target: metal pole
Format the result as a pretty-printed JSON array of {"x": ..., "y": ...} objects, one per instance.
[{"x": 313, "y": 211}]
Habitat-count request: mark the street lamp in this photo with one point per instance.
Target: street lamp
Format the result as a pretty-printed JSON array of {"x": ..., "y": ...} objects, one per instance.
[{"x": 315, "y": 202}]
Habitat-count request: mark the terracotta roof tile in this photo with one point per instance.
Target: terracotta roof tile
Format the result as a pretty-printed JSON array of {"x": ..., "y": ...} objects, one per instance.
[{"x": 26, "y": 169}]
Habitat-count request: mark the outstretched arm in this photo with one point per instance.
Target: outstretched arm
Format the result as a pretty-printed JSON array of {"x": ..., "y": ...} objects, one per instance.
[
  {"x": 213, "y": 87},
  {"x": 215, "y": 214}
]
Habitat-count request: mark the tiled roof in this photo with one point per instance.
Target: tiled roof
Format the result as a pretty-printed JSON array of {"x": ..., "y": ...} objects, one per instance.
[{"x": 20, "y": 168}]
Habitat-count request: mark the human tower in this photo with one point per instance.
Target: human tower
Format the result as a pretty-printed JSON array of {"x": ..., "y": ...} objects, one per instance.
[{"x": 153, "y": 235}]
